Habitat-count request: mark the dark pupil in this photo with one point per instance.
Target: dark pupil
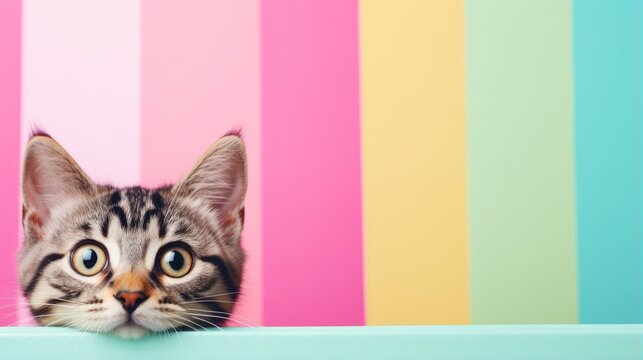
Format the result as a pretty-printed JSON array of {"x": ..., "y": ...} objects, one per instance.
[
  {"x": 90, "y": 258},
  {"x": 175, "y": 260}
]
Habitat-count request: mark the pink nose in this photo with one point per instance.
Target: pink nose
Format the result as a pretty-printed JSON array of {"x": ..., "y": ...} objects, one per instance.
[{"x": 130, "y": 299}]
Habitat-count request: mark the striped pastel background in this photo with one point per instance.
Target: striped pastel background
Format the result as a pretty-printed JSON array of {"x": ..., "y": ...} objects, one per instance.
[{"x": 411, "y": 162}]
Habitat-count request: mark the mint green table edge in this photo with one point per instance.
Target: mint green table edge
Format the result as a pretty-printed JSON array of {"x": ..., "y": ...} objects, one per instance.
[{"x": 613, "y": 342}]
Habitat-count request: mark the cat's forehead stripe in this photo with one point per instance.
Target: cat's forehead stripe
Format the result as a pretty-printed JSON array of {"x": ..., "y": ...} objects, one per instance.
[
  {"x": 120, "y": 214},
  {"x": 115, "y": 198},
  {"x": 157, "y": 200},
  {"x": 140, "y": 215},
  {"x": 160, "y": 218},
  {"x": 136, "y": 202}
]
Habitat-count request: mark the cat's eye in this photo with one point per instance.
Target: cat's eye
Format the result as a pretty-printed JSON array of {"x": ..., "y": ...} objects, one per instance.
[
  {"x": 89, "y": 258},
  {"x": 175, "y": 261}
]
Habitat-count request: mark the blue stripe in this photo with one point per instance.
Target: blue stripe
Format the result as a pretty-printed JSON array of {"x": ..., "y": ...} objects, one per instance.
[{"x": 607, "y": 69}]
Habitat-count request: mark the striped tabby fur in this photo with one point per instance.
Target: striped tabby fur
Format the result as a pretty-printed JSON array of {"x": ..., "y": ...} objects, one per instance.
[{"x": 132, "y": 293}]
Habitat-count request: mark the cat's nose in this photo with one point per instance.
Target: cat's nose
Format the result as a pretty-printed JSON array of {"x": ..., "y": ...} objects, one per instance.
[{"x": 130, "y": 299}]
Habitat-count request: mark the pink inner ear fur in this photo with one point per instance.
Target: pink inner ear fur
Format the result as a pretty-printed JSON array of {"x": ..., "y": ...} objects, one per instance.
[
  {"x": 50, "y": 176},
  {"x": 236, "y": 196},
  {"x": 34, "y": 225},
  {"x": 220, "y": 176},
  {"x": 32, "y": 198}
]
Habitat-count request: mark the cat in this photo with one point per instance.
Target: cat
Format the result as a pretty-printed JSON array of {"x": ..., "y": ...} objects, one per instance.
[{"x": 132, "y": 261}]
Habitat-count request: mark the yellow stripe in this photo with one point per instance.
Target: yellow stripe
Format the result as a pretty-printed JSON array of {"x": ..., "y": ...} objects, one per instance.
[{"x": 413, "y": 121}]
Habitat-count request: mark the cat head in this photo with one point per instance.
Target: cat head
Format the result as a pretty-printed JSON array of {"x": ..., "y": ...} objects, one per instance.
[{"x": 132, "y": 260}]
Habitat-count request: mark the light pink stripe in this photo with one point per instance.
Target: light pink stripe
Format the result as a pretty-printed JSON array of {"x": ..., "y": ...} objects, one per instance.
[
  {"x": 311, "y": 161},
  {"x": 10, "y": 34},
  {"x": 200, "y": 78},
  {"x": 81, "y": 82}
]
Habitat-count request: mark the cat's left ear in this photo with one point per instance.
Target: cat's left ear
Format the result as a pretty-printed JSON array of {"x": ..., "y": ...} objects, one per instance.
[
  {"x": 50, "y": 178},
  {"x": 220, "y": 178}
]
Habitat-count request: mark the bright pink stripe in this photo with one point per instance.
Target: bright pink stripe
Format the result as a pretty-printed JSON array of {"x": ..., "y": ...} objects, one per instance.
[
  {"x": 10, "y": 34},
  {"x": 311, "y": 161},
  {"x": 200, "y": 79}
]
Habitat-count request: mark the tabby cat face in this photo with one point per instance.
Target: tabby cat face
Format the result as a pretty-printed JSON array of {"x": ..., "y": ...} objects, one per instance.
[{"x": 132, "y": 260}]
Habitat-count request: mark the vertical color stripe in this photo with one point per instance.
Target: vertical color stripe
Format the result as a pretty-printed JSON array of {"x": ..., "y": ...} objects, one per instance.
[
  {"x": 415, "y": 216},
  {"x": 311, "y": 161},
  {"x": 10, "y": 35},
  {"x": 200, "y": 64},
  {"x": 81, "y": 82},
  {"x": 607, "y": 59},
  {"x": 520, "y": 155}
]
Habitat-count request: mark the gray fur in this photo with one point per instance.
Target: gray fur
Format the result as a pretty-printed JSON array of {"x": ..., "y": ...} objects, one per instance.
[{"x": 62, "y": 206}]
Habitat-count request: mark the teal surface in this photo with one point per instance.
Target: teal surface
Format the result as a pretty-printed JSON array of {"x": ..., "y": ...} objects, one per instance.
[
  {"x": 553, "y": 342},
  {"x": 608, "y": 118}
]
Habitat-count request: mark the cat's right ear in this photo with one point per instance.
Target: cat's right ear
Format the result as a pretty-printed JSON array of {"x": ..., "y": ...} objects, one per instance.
[{"x": 50, "y": 176}]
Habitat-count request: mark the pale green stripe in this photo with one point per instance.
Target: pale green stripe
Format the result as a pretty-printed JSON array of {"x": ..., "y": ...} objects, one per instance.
[{"x": 520, "y": 162}]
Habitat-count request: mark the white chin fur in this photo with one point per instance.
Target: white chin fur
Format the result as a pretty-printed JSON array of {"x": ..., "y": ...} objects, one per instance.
[{"x": 129, "y": 331}]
